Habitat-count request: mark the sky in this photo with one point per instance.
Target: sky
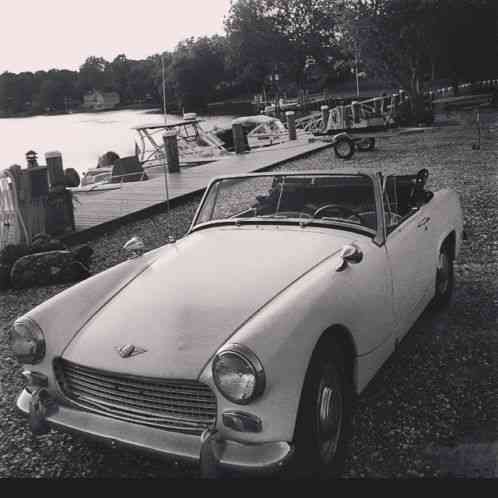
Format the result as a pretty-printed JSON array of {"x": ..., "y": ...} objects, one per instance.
[{"x": 46, "y": 34}]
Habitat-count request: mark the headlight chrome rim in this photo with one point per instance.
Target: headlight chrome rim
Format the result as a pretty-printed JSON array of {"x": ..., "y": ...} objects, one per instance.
[
  {"x": 34, "y": 334},
  {"x": 247, "y": 356}
]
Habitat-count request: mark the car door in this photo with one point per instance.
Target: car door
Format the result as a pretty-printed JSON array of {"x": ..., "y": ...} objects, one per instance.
[{"x": 410, "y": 255}]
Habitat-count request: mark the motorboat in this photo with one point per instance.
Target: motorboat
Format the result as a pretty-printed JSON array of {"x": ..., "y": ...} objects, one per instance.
[
  {"x": 260, "y": 131},
  {"x": 195, "y": 144}
]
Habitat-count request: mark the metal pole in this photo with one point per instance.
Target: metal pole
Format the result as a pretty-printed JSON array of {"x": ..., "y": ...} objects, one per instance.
[
  {"x": 356, "y": 71},
  {"x": 164, "y": 89},
  {"x": 171, "y": 237}
]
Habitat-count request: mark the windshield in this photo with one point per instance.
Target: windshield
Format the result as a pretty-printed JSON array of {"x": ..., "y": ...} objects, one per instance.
[{"x": 347, "y": 200}]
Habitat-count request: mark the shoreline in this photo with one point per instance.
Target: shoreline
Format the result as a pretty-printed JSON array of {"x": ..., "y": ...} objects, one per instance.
[{"x": 131, "y": 107}]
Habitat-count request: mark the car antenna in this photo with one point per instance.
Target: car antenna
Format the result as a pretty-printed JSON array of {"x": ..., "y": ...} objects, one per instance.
[{"x": 171, "y": 237}]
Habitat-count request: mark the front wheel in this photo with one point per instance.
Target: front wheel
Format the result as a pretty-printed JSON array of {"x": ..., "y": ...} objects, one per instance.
[
  {"x": 444, "y": 279},
  {"x": 324, "y": 418}
]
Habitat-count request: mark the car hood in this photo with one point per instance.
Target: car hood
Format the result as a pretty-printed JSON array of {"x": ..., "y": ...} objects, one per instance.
[{"x": 195, "y": 295}]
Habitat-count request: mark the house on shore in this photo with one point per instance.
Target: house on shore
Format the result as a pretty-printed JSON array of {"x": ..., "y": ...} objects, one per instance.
[{"x": 98, "y": 101}]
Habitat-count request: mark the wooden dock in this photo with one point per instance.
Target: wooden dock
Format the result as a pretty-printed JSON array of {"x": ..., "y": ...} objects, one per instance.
[{"x": 102, "y": 208}]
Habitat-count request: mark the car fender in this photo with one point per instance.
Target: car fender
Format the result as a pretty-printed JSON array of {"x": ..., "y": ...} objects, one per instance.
[
  {"x": 63, "y": 316},
  {"x": 447, "y": 217},
  {"x": 284, "y": 335}
]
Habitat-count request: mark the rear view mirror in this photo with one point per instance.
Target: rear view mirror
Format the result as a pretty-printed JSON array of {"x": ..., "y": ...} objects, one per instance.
[{"x": 350, "y": 253}]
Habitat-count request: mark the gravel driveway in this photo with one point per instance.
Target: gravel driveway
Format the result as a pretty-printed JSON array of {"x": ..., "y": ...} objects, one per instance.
[{"x": 432, "y": 410}]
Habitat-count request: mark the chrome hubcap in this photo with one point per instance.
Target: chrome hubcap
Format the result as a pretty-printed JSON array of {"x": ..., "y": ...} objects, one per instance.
[
  {"x": 443, "y": 273},
  {"x": 343, "y": 148},
  {"x": 329, "y": 417}
]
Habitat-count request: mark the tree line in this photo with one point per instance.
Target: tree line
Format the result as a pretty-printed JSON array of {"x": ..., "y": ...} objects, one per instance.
[{"x": 285, "y": 45}]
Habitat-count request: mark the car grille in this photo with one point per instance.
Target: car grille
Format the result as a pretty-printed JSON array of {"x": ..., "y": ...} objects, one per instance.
[{"x": 174, "y": 405}]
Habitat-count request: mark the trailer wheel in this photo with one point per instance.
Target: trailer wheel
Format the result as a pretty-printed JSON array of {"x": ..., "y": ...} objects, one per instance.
[
  {"x": 366, "y": 144},
  {"x": 344, "y": 148}
]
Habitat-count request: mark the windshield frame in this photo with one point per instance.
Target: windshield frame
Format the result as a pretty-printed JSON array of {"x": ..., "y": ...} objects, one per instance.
[{"x": 378, "y": 236}]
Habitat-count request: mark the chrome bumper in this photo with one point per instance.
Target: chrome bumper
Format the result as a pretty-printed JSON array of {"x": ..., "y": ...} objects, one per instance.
[{"x": 214, "y": 454}]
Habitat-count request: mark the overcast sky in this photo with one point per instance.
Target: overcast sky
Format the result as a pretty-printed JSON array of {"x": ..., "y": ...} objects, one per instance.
[{"x": 45, "y": 34}]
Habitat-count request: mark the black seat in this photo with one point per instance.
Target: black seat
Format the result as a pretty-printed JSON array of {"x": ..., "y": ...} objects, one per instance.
[{"x": 128, "y": 169}]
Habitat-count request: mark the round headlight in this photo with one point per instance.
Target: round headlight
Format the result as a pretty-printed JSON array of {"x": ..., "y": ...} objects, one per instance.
[
  {"x": 27, "y": 341},
  {"x": 238, "y": 374}
]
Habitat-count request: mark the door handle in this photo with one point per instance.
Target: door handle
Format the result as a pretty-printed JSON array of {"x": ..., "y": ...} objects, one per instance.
[{"x": 423, "y": 222}]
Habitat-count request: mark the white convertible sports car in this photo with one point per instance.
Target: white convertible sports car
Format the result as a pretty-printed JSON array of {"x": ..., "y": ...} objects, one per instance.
[{"x": 243, "y": 344}]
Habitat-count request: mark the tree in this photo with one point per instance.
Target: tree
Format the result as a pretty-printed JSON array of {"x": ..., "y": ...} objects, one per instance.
[
  {"x": 56, "y": 88},
  {"x": 255, "y": 46},
  {"x": 9, "y": 101},
  {"x": 196, "y": 68},
  {"x": 269, "y": 35},
  {"x": 409, "y": 42},
  {"x": 466, "y": 44},
  {"x": 93, "y": 75},
  {"x": 141, "y": 83}
]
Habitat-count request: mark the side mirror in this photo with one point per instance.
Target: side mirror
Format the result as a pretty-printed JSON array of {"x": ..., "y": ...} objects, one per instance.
[
  {"x": 350, "y": 253},
  {"x": 134, "y": 247}
]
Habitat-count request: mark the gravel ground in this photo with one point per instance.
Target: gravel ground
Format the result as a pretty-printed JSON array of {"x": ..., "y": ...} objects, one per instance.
[{"x": 431, "y": 411}]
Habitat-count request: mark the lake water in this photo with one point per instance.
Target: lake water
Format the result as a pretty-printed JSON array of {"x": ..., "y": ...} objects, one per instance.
[{"x": 81, "y": 138}]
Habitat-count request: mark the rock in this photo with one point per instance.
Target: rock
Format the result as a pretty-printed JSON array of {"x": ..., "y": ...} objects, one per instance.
[
  {"x": 4, "y": 276},
  {"x": 47, "y": 268},
  {"x": 43, "y": 243},
  {"x": 83, "y": 254},
  {"x": 12, "y": 252}
]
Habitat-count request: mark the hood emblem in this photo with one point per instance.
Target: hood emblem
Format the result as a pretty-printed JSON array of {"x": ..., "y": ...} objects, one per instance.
[{"x": 129, "y": 350}]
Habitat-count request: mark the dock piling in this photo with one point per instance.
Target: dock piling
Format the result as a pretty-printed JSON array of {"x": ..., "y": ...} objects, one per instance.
[
  {"x": 55, "y": 169},
  {"x": 355, "y": 110},
  {"x": 171, "y": 147},
  {"x": 324, "y": 109},
  {"x": 239, "y": 139},
  {"x": 291, "y": 124}
]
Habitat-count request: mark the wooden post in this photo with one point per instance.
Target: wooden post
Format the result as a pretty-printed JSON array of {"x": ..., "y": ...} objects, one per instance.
[
  {"x": 171, "y": 147},
  {"x": 341, "y": 111},
  {"x": 325, "y": 116},
  {"x": 377, "y": 106},
  {"x": 239, "y": 140},
  {"x": 291, "y": 124},
  {"x": 394, "y": 102},
  {"x": 32, "y": 185},
  {"x": 402, "y": 95},
  {"x": 384, "y": 105},
  {"x": 355, "y": 109},
  {"x": 55, "y": 169}
]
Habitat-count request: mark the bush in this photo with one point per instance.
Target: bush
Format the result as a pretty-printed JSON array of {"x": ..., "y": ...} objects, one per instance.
[{"x": 71, "y": 177}]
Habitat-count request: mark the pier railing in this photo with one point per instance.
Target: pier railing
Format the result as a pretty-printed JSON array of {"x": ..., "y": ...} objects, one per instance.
[
  {"x": 12, "y": 226},
  {"x": 378, "y": 111}
]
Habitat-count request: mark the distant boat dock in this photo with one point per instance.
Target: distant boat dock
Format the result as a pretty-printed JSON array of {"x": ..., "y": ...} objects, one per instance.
[{"x": 96, "y": 212}]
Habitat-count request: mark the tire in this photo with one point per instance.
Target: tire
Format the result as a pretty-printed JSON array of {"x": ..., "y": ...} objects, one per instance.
[
  {"x": 445, "y": 279},
  {"x": 344, "y": 148},
  {"x": 323, "y": 427},
  {"x": 365, "y": 145}
]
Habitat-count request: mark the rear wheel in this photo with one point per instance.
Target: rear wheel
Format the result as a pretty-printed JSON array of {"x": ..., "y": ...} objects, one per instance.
[
  {"x": 444, "y": 278},
  {"x": 324, "y": 419},
  {"x": 344, "y": 148}
]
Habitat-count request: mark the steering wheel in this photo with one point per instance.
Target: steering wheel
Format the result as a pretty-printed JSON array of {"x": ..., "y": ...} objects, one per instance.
[{"x": 342, "y": 209}]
